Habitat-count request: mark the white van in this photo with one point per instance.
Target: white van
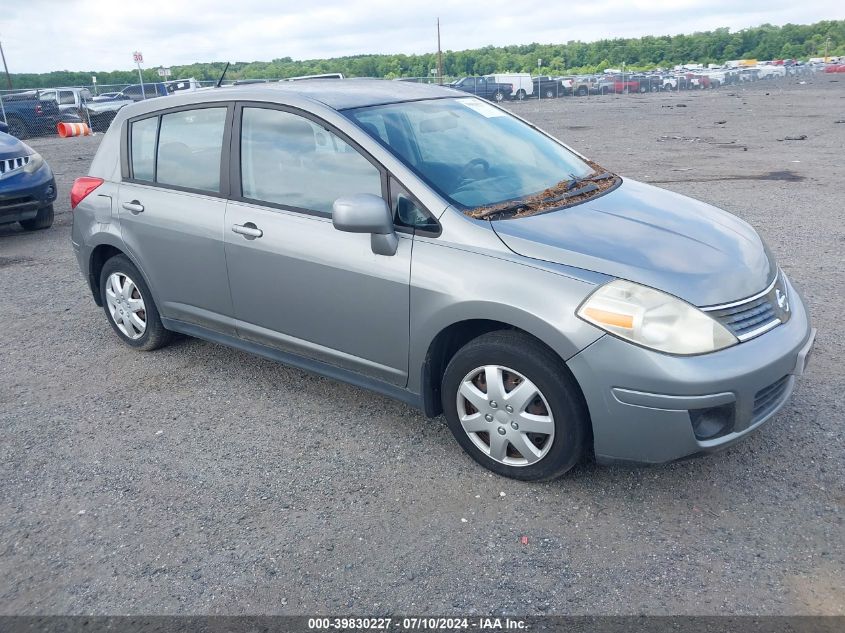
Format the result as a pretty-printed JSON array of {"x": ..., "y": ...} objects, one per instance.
[{"x": 522, "y": 85}]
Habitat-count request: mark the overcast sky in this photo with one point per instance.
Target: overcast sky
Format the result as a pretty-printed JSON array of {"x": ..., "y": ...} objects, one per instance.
[{"x": 43, "y": 35}]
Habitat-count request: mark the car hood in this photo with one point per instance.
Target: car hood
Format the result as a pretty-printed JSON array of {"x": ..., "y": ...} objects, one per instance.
[
  {"x": 11, "y": 147},
  {"x": 655, "y": 237},
  {"x": 107, "y": 105}
]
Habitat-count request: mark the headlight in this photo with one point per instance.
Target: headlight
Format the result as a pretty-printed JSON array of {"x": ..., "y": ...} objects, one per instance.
[
  {"x": 654, "y": 319},
  {"x": 34, "y": 164}
]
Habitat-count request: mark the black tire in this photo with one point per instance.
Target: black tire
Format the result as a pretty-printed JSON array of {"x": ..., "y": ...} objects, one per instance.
[
  {"x": 499, "y": 96},
  {"x": 540, "y": 365},
  {"x": 155, "y": 335},
  {"x": 17, "y": 128},
  {"x": 520, "y": 94},
  {"x": 581, "y": 92},
  {"x": 42, "y": 220},
  {"x": 549, "y": 94},
  {"x": 102, "y": 122}
]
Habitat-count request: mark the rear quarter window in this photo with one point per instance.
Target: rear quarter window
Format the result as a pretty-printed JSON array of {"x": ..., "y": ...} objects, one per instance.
[{"x": 143, "y": 143}]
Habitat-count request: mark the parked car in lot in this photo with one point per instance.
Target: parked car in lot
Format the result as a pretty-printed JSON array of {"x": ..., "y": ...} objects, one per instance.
[
  {"x": 136, "y": 92},
  {"x": 179, "y": 85},
  {"x": 649, "y": 82},
  {"x": 521, "y": 84},
  {"x": 27, "y": 185},
  {"x": 583, "y": 86},
  {"x": 101, "y": 110},
  {"x": 483, "y": 87},
  {"x": 550, "y": 87},
  {"x": 30, "y": 113},
  {"x": 70, "y": 100},
  {"x": 421, "y": 243}
]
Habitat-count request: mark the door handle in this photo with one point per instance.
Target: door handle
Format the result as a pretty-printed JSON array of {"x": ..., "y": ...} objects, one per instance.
[
  {"x": 248, "y": 230},
  {"x": 134, "y": 207}
]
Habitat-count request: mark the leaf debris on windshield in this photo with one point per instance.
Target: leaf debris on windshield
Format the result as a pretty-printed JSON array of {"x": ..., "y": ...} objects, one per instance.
[{"x": 562, "y": 194}]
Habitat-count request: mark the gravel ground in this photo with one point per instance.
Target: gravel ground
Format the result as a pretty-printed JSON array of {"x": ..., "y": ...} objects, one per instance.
[{"x": 198, "y": 479}]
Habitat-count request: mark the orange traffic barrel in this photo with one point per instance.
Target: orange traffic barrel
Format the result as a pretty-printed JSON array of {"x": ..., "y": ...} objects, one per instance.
[{"x": 73, "y": 129}]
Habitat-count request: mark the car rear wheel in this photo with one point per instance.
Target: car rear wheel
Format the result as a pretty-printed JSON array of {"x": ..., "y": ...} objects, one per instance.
[
  {"x": 582, "y": 91},
  {"x": 520, "y": 94},
  {"x": 129, "y": 305},
  {"x": 498, "y": 96},
  {"x": 549, "y": 94},
  {"x": 513, "y": 407},
  {"x": 42, "y": 220}
]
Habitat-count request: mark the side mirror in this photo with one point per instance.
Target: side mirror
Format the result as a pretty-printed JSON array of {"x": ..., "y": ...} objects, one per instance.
[{"x": 367, "y": 213}]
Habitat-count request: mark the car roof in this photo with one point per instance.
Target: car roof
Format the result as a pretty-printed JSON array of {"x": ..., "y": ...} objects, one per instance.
[
  {"x": 342, "y": 94},
  {"x": 337, "y": 94}
]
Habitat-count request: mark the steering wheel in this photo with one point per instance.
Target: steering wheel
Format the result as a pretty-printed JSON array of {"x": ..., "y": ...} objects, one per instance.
[{"x": 470, "y": 165}]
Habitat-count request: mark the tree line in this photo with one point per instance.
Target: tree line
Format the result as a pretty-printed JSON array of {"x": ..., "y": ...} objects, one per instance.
[{"x": 790, "y": 41}]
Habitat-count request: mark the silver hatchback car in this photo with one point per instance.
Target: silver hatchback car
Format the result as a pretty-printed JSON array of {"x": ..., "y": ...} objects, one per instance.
[{"x": 434, "y": 248}]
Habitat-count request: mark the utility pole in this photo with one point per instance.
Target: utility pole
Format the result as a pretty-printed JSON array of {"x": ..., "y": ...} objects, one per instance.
[
  {"x": 5, "y": 68},
  {"x": 439, "y": 56}
]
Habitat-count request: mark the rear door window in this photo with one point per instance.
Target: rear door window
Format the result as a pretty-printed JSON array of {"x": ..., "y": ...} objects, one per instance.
[{"x": 190, "y": 145}]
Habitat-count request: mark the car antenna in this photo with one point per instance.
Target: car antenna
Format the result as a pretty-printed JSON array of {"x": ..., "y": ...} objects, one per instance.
[{"x": 223, "y": 74}]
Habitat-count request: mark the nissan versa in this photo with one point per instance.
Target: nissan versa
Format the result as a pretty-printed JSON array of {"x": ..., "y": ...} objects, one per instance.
[{"x": 432, "y": 247}]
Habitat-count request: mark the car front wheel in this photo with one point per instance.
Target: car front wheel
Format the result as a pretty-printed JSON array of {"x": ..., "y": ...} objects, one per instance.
[
  {"x": 42, "y": 220},
  {"x": 512, "y": 405},
  {"x": 129, "y": 305}
]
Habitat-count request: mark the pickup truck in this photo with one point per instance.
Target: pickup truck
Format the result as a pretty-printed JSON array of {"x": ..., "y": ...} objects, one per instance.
[
  {"x": 483, "y": 87},
  {"x": 102, "y": 109},
  {"x": 549, "y": 87},
  {"x": 618, "y": 84},
  {"x": 71, "y": 100},
  {"x": 30, "y": 113}
]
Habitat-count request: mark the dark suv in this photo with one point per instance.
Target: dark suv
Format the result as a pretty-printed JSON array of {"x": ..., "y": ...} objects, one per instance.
[{"x": 27, "y": 185}]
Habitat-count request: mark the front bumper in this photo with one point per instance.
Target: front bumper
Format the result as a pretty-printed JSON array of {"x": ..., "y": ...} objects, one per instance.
[
  {"x": 640, "y": 400},
  {"x": 22, "y": 194}
]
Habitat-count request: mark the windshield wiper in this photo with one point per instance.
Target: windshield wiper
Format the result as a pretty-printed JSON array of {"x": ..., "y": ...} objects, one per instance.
[{"x": 565, "y": 190}]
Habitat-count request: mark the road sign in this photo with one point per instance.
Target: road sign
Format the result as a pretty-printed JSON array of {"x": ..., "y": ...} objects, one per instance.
[
  {"x": 164, "y": 72},
  {"x": 138, "y": 57}
]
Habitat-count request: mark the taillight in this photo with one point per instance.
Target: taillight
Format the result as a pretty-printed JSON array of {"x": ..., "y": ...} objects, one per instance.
[{"x": 81, "y": 188}]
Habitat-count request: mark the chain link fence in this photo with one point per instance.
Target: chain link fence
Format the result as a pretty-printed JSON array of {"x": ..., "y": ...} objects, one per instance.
[{"x": 37, "y": 112}]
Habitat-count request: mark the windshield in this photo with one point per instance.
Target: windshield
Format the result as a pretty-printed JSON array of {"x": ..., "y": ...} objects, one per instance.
[{"x": 476, "y": 155}]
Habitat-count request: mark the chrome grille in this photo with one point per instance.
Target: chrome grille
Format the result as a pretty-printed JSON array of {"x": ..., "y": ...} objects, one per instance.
[
  {"x": 755, "y": 315},
  {"x": 769, "y": 397},
  {"x": 8, "y": 165}
]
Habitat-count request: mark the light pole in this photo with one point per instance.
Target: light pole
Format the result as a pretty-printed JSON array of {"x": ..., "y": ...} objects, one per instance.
[{"x": 539, "y": 82}]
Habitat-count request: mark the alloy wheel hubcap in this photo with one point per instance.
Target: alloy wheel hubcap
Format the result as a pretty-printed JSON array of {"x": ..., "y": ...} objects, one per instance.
[
  {"x": 126, "y": 305},
  {"x": 505, "y": 415}
]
